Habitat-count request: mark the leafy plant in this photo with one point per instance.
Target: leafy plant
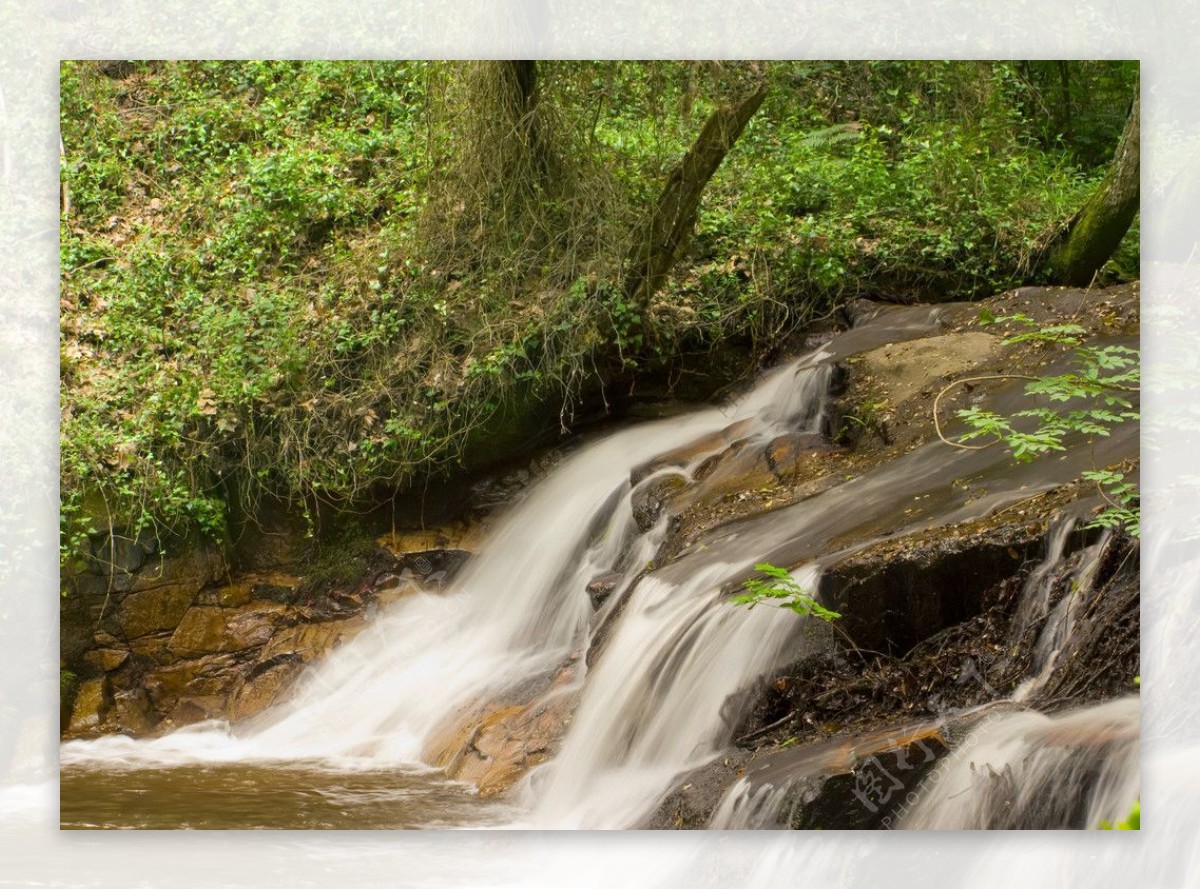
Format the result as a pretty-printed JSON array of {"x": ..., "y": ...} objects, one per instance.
[
  {"x": 1132, "y": 822},
  {"x": 1098, "y": 387},
  {"x": 780, "y": 588}
]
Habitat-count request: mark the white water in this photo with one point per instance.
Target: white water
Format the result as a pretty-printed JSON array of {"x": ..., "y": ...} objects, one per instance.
[
  {"x": 517, "y": 612},
  {"x": 1025, "y": 769}
]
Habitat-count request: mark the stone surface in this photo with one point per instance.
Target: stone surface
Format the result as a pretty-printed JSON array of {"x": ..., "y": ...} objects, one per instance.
[
  {"x": 652, "y": 497},
  {"x": 902, "y": 370},
  {"x": 491, "y": 744},
  {"x": 91, "y": 705},
  {"x": 309, "y": 641},
  {"x": 148, "y": 611},
  {"x": 261, "y": 689},
  {"x": 106, "y": 659},
  {"x": 213, "y": 629},
  {"x": 601, "y": 587}
]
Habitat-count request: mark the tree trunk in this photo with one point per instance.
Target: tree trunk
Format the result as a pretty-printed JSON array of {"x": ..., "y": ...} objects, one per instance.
[
  {"x": 519, "y": 80},
  {"x": 1093, "y": 234},
  {"x": 658, "y": 238}
]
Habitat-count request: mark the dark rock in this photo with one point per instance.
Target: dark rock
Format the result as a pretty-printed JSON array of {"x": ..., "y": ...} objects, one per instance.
[
  {"x": 651, "y": 498},
  {"x": 601, "y": 587}
]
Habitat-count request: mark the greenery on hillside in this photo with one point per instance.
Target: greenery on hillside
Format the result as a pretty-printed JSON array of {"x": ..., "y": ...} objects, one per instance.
[{"x": 313, "y": 280}]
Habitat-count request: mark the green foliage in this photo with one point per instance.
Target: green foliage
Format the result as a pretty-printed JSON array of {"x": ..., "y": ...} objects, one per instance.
[
  {"x": 1097, "y": 389},
  {"x": 306, "y": 280},
  {"x": 1132, "y": 822},
  {"x": 784, "y": 591}
]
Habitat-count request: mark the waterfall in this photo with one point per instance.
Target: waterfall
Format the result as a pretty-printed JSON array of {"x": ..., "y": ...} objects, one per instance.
[
  {"x": 656, "y": 704},
  {"x": 519, "y": 611},
  {"x": 1026, "y": 770},
  {"x": 653, "y": 680}
]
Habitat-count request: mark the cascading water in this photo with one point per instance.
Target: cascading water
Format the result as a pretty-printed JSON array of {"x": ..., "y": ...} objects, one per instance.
[
  {"x": 675, "y": 659},
  {"x": 519, "y": 611},
  {"x": 1028, "y": 770}
]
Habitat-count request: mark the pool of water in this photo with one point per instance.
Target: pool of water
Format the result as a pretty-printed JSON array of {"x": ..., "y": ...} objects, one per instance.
[{"x": 237, "y": 796}]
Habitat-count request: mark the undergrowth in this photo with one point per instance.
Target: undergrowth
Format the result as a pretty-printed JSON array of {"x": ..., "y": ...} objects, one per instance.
[{"x": 320, "y": 280}]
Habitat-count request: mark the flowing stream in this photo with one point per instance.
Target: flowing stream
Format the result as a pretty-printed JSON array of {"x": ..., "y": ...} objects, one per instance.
[{"x": 350, "y": 749}]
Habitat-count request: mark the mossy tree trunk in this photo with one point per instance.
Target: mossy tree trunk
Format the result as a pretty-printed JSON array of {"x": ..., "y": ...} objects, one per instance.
[
  {"x": 1093, "y": 234},
  {"x": 657, "y": 240},
  {"x": 521, "y": 95}
]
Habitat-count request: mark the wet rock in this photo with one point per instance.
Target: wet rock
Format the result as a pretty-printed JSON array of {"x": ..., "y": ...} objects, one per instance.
[
  {"x": 601, "y": 587},
  {"x": 741, "y": 467},
  {"x": 193, "y": 709},
  {"x": 106, "y": 659},
  {"x": 899, "y": 593},
  {"x": 309, "y": 641},
  {"x": 211, "y": 629},
  {"x": 92, "y": 702},
  {"x": 491, "y": 744},
  {"x": 148, "y": 611},
  {"x": 262, "y": 688},
  {"x": 209, "y": 677},
  {"x": 432, "y": 568},
  {"x": 693, "y": 451},
  {"x": 786, "y": 455},
  {"x": 131, "y": 712},
  {"x": 651, "y": 498}
]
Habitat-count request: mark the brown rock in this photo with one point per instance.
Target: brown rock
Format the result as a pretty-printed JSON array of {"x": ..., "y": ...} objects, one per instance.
[
  {"x": 106, "y": 659},
  {"x": 92, "y": 702},
  {"x": 258, "y": 692},
  {"x": 211, "y": 676},
  {"x": 130, "y": 712},
  {"x": 786, "y": 455},
  {"x": 902, "y": 370},
  {"x": 213, "y": 629},
  {"x": 653, "y": 496},
  {"x": 194, "y": 709},
  {"x": 147, "y": 611},
  {"x": 601, "y": 587},
  {"x": 309, "y": 641},
  {"x": 492, "y": 744}
]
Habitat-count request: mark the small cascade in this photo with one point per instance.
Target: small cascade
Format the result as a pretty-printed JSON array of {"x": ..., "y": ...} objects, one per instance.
[
  {"x": 519, "y": 614},
  {"x": 1026, "y": 770},
  {"x": 1006, "y": 767},
  {"x": 1077, "y": 575},
  {"x": 657, "y": 704}
]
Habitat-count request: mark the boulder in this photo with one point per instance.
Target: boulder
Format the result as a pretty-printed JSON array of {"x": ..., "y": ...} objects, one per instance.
[
  {"x": 601, "y": 587},
  {"x": 261, "y": 688},
  {"x": 148, "y": 611},
  {"x": 106, "y": 659},
  {"x": 492, "y": 743},
  {"x": 652, "y": 496},
  {"x": 92, "y": 701},
  {"x": 206, "y": 629}
]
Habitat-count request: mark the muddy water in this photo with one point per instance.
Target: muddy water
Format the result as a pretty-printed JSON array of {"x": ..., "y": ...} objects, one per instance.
[{"x": 254, "y": 795}]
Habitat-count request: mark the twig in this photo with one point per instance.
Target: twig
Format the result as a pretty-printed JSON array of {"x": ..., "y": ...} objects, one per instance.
[{"x": 937, "y": 425}]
